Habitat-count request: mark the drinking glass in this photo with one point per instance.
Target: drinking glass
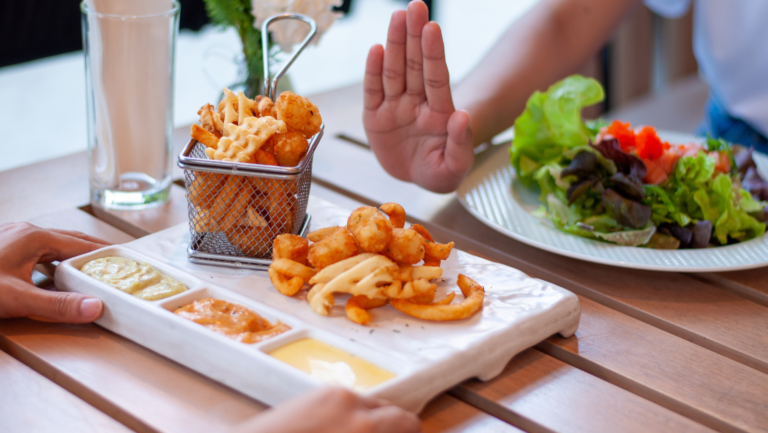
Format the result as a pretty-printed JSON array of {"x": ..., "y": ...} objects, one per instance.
[{"x": 129, "y": 63}]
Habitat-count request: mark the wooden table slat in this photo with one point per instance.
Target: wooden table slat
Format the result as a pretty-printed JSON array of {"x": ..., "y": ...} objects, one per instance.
[
  {"x": 555, "y": 396},
  {"x": 30, "y": 402},
  {"x": 448, "y": 414},
  {"x": 672, "y": 372}
]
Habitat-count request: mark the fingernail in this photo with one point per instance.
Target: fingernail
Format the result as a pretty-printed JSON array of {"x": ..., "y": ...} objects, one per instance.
[{"x": 90, "y": 308}]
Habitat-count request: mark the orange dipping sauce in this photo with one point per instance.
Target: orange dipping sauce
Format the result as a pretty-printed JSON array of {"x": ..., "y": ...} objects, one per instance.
[{"x": 232, "y": 320}]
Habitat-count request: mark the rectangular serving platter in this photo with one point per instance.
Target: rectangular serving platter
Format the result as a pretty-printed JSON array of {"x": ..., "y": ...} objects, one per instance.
[{"x": 426, "y": 357}]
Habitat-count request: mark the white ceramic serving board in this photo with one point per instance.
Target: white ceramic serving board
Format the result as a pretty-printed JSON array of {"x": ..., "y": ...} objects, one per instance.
[{"x": 427, "y": 357}]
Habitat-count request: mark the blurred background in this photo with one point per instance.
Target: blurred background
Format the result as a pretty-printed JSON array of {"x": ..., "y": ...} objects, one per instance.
[{"x": 649, "y": 58}]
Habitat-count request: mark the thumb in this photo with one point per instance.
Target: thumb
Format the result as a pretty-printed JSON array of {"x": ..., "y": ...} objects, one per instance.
[{"x": 57, "y": 306}]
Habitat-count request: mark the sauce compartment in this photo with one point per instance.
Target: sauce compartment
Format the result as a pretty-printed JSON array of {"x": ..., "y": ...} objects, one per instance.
[
  {"x": 77, "y": 263},
  {"x": 173, "y": 303},
  {"x": 377, "y": 360}
]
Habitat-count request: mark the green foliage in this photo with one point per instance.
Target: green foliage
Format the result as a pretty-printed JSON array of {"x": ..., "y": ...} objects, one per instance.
[{"x": 237, "y": 14}]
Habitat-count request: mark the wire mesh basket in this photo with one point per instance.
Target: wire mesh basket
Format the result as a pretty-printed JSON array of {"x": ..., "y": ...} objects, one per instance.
[{"x": 237, "y": 209}]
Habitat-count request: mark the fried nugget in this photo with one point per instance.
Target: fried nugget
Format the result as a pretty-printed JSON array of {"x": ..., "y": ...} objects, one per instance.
[
  {"x": 289, "y": 148},
  {"x": 406, "y": 246},
  {"x": 288, "y": 246},
  {"x": 298, "y": 113},
  {"x": 370, "y": 228},
  {"x": 334, "y": 248}
]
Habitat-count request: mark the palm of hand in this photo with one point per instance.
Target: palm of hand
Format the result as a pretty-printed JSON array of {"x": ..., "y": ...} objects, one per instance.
[
  {"x": 409, "y": 117},
  {"x": 405, "y": 133}
]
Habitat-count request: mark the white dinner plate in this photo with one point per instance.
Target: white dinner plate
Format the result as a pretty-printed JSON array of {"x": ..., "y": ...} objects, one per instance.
[{"x": 493, "y": 194}]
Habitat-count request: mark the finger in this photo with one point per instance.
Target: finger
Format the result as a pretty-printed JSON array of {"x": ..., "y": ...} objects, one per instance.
[
  {"x": 373, "y": 402},
  {"x": 57, "y": 246},
  {"x": 393, "y": 418},
  {"x": 417, "y": 17},
  {"x": 394, "y": 56},
  {"x": 373, "y": 90},
  {"x": 436, "y": 79},
  {"x": 26, "y": 300},
  {"x": 83, "y": 236}
]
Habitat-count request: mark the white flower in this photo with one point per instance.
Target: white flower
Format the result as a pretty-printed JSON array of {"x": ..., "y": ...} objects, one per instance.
[{"x": 290, "y": 32}]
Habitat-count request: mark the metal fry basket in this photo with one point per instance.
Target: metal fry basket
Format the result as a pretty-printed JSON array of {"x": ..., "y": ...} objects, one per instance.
[{"x": 236, "y": 209}]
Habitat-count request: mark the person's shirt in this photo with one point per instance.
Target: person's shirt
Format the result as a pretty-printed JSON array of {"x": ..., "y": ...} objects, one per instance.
[{"x": 730, "y": 41}]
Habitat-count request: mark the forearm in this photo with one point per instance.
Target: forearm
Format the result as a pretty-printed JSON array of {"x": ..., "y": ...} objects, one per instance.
[{"x": 551, "y": 41}]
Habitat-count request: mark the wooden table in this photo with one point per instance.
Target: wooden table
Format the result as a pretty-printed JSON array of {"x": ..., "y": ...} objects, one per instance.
[{"x": 654, "y": 351}]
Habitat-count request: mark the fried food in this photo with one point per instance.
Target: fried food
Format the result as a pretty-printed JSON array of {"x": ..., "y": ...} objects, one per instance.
[
  {"x": 319, "y": 235},
  {"x": 334, "y": 248},
  {"x": 240, "y": 142},
  {"x": 433, "y": 252},
  {"x": 283, "y": 284},
  {"x": 339, "y": 264},
  {"x": 298, "y": 113},
  {"x": 357, "y": 307},
  {"x": 410, "y": 273},
  {"x": 245, "y": 108},
  {"x": 290, "y": 148},
  {"x": 438, "y": 251},
  {"x": 288, "y": 246},
  {"x": 355, "y": 312},
  {"x": 210, "y": 120},
  {"x": 445, "y": 301},
  {"x": 406, "y": 246},
  {"x": 334, "y": 270},
  {"x": 204, "y": 136},
  {"x": 291, "y": 269},
  {"x": 224, "y": 198},
  {"x": 473, "y": 301},
  {"x": 251, "y": 241},
  {"x": 203, "y": 189},
  {"x": 265, "y": 106},
  {"x": 363, "y": 278},
  {"x": 264, "y": 158},
  {"x": 396, "y": 214},
  {"x": 280, "y": 207},
  {"x": 255, "y": 218},
  {"x": 370, "y": 228},
  {"x": 230, "y": 107},
  {"x": 419, "y": 292},
  {"x": 423, "y": 232},
  {"x": 241, "y": 127}
]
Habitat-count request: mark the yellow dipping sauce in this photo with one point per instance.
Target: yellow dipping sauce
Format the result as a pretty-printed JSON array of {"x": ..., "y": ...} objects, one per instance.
[
  {"x": 331, "y": 365},
  {"x": 130, "y": 276}
]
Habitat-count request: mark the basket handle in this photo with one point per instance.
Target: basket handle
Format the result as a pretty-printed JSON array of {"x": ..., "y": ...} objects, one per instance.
[{"x": 271, "y": 87}]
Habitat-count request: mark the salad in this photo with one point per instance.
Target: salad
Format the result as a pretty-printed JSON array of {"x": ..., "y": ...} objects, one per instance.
[{"x": 625, "y": 185}]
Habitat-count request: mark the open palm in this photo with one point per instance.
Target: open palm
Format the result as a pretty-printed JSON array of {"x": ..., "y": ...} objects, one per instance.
[{"x": 411, "y": 123}]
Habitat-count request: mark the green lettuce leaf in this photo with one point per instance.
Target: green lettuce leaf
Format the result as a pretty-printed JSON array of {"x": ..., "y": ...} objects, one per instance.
[
  {"x": 693, "y": 193},
  {"x": 551, "y": 123},
  {"x": 721, "y": 145}
]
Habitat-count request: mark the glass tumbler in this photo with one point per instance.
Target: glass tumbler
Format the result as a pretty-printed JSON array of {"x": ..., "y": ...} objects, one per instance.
[{"x": 129, "y": 68}]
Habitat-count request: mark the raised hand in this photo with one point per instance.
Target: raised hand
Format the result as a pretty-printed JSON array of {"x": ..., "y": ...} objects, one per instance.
[
  {"x": 411, "y": 123},
  {"x": 22, "y": 246}
]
